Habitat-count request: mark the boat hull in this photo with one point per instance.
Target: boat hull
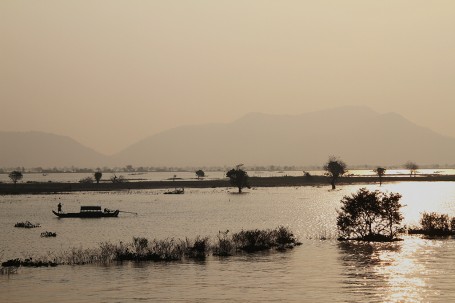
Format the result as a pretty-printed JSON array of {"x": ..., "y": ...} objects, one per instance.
[{"x": 87, "y": 214}]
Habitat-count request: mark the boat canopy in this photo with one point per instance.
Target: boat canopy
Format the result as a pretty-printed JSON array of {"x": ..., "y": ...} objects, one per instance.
[{"x": 90, "y": 208}]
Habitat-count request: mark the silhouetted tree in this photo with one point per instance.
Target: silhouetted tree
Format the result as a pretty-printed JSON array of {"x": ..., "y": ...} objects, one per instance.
[
  {"x": 15, "y": 176},
  {"x": 98, "y": 176},
  {"x": 380, "y": 171},
  {"x": 370, "y": 216},
  {"x": 200, "y": 174},
  {"x": 412, "y": 167},
  {"x": 238, "y": 177},
  {"x": 335, "y": 168}
]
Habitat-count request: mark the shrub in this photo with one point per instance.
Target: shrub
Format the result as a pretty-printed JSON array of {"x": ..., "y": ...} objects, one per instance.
[
  {"x": 253, "y": 240},
  {"x": 434, "y": 224},
  {"x": 26, "y": 224},
  {"x": 27, "y": 263},
  {"x": 141, "y": 249},
  {"x": 86, "y": 180},
  {"x": 119, "y": 179},
  {"x": 284, "y": 238},
  {"x": 48, "y": 234},
  {"x": 140, "y": 245},
  {"x": 370, "y": 216},
  {"x": 224, "y": 245},
  {"x": 198, "y": 249}
]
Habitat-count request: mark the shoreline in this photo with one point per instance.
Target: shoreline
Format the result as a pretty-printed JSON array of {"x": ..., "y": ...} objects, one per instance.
[{"x": 282, "y": 181}]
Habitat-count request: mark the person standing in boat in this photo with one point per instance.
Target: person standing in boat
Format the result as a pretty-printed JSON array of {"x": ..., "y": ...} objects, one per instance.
[{"x": 59, "y": 207}]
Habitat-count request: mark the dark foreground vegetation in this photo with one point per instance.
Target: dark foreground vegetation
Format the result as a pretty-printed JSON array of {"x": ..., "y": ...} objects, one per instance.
[
  {"x": 370, "y": 216},
  {"x": 374, "y": 216},
  {"x": 142, "y": 249},
  {"x": 27, "y": 224},
  {"x": 435, "y": 224}
]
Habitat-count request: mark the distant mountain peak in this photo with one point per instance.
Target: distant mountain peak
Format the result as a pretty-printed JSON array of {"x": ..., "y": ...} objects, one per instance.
[{"x": 358, "y": 134}]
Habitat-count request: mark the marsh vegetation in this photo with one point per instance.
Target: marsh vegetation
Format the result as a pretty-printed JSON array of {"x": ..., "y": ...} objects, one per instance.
[
  {"x": 435, "y": 224},
  {"x": 170, "y": 249}
]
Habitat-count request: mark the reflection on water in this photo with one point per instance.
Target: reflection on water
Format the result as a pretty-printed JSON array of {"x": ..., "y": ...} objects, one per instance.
[{"x": 403, "y": 271}]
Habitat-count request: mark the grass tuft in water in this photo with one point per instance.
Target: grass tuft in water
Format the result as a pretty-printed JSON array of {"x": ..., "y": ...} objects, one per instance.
[{"x": 224, "y": 245}]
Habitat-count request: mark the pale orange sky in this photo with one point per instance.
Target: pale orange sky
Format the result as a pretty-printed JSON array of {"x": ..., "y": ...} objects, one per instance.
[{"x": 109, "y": 73}]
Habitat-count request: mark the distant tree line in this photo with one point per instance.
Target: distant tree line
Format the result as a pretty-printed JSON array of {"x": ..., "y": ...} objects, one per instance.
[{"x": 411, "y": 166}]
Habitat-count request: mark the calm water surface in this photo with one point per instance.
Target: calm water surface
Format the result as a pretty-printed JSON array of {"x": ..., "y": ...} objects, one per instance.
[{"x": 413, "y": 270}]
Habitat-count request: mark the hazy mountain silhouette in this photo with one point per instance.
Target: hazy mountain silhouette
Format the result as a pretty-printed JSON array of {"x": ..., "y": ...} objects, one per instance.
[
  {"x": 34, "y": 149},
  {"x": 358, "y": 135}
]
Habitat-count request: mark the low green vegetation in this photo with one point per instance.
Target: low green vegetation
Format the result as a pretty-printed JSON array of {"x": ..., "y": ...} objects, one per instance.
[{"x": 142, "y": 249}]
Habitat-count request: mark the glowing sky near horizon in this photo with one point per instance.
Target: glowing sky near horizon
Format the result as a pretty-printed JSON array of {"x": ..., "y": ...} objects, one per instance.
[{"x": 109, "y": 73}]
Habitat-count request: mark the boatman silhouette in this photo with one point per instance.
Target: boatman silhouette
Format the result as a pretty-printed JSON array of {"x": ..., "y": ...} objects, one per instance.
[{"x": 59, "y": 207}]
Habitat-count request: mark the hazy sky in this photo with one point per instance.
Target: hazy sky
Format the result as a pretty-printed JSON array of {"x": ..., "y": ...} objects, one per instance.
[{"x": 109, "y": 73}]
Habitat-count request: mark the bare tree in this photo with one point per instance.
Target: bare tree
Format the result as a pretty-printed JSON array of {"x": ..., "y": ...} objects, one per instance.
[
  {"x": 380, "y": 171},
  {"x": 412, "y": 167},
  {"x": 335, "y": 168}
]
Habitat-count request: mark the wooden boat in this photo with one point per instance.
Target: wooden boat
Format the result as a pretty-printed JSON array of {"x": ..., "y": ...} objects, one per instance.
[{"x": 89, "y": 212}]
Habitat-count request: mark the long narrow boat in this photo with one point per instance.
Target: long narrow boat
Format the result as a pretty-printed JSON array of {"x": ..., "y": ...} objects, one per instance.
[{"x": 89, "y": 212}]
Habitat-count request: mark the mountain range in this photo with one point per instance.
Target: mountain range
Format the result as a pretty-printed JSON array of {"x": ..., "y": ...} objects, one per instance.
[{"x": 358, "y": 135}]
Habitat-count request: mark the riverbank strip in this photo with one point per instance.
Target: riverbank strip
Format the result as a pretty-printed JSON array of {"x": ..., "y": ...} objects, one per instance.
[{"x": 283, "y": 181}]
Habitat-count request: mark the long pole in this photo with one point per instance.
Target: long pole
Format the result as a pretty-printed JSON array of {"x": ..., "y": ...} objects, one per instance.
[{"x": 129, "y": 212}]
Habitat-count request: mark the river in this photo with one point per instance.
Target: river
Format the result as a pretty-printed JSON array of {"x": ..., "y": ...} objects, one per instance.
[{"x": 322, "y": 269}]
